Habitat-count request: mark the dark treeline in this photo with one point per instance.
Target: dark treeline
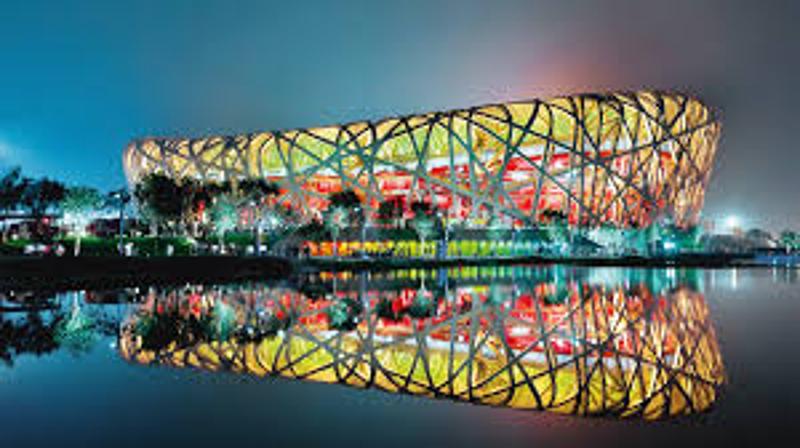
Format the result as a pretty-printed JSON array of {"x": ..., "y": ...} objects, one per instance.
[{"x": 38, "y": 200}]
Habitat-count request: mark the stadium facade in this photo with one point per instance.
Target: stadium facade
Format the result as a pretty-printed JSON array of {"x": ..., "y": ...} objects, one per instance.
[{"x": 621, "y": 158}]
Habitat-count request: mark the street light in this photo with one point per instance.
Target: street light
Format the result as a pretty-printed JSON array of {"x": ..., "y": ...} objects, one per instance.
[{"x": 732, "y": 223}]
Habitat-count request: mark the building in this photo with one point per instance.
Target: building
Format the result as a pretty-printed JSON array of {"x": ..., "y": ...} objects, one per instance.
[{"x": 620, "y": 158}]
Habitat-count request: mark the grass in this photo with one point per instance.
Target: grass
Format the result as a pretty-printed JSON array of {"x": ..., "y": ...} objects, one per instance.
[{"x": 95, "y": 246}]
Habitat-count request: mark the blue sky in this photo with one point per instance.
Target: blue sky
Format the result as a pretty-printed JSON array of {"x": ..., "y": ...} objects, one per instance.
[{"x": 79, "y": 79}]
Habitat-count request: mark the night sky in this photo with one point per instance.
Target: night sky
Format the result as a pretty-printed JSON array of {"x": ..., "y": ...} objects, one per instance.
[{"x": 78, "y": 80}]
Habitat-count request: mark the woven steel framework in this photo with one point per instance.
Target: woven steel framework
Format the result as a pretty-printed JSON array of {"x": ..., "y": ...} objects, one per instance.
[
  {"x": 615, "y": 158},
  {"x": 596, "y": 350}
]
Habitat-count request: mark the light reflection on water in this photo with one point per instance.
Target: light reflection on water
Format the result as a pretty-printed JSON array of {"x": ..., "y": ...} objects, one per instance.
[
  {"x": 580, "y": 341},
  {"x": 583, "y": 341}
]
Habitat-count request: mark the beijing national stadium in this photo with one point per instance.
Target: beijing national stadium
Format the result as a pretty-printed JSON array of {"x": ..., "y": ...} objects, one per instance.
[{"x": 621, "y": 159}]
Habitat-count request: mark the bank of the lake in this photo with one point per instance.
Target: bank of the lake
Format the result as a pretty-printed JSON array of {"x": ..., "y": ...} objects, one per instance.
[{"x": 59, "y": 273}]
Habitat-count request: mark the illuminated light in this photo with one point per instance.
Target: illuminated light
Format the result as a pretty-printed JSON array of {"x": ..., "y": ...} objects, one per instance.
[{"x": 732, "y": 223}]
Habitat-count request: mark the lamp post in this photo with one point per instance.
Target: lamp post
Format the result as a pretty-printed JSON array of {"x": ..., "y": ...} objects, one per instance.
[{"x": 121, "y": 198}]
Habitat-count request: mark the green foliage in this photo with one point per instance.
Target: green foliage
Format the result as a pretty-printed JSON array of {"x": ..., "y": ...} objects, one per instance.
[
  {"x": 223, "y": 214},
  {"x": 195, "y": 195},
  {"x": 117, "y": 199},
  {"x": 80, "y": 199},
  {"x": 160, "y": 198},
  {"x": 14, "y": 247},
  {"x": 79, "y": 206},
  {"x": 12, "y": 188},
  {"x": 159, "y": 330},
  {"x": 558, "y": 297},
  {"x": 223, "y": 322},
  {"x": 425, "y": 221},
  {"x": 790, "y": 239},
  {"x": 389, "y": 211},
  {"x": 336, "y": 219},
  {"x": 496, "y": 231},
  {"x": 42, "y": 194},
  {"x": 344, "y": 314},
  {"x": 257, "y": 189},
  {"x": 344, "y": 211},
  {"x": 385, "y": 310},
  {"x": 551, "y": 216},
  {"x": 313, "y": 231},
  {"x": 29, "y": 334},
  {"x": 422, "y": 306},
  {"x": 76, "y": 332},
  {"x": 346, "y": 199}
]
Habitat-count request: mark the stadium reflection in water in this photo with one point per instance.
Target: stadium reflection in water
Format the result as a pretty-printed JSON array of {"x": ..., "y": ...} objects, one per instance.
[{"x": 586, "y": 342}]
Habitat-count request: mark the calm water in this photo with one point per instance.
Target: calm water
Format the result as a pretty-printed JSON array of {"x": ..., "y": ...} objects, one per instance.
[{"x": 557, "y": 355}]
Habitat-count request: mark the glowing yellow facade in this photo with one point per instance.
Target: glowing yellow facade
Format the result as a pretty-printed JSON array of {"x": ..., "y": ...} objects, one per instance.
[{"x": 622, "y": 158}]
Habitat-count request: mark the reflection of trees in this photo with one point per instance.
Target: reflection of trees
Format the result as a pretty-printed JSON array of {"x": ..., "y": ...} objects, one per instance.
[
  {"x": 76, "y": 331},
  {"x": 46, "y": 327},
  {"x": 28, "y": 335},
  {"x": 158, "y": 331},
  {"x": 172, "y": 324}
]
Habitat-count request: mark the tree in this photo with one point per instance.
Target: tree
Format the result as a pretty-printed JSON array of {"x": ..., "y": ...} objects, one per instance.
[
  {"x": 257, "y": 190},
  {"x": 42, "y": 194},
  {"x": 197, "y": 197},
  {"x": 224, "y": 216},
  {"x": 80, "y": 204},
  {"x": 349, "y": 201},
  {"x": 790, "y": 240},
  {"x": 12, "y": 188},
  {"x": 346, "y": 198},
  {"x": 255, "y": 194},
  {"x": 390, "y": 211},
  {"x": 28, "y": 335},
  {"x": 77, "y": 331},
  {"x": 336, "y": 220},
  {"x": 160, "y": 199},
  {"x": 39, "y": 197},
  {"x": 343, "y": 211},
  {"x": 425, "y": 222},
  {"x": 557, "y": 228}
]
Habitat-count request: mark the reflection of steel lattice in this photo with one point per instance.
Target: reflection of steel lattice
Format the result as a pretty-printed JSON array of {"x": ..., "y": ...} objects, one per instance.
[
  {"x": 618, "y": 158},
  {"x": 596, "y": 350}
]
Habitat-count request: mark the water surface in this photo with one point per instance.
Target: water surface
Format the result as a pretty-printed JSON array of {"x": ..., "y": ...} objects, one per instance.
[{"x": 473, "y": 356}]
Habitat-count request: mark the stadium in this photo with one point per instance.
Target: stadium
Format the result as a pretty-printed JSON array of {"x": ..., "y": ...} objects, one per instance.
[{"x": 623, "y": 159}]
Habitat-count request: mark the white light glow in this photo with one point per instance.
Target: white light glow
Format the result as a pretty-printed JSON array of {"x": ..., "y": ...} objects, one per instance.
[{"x": 732, "y": 222}]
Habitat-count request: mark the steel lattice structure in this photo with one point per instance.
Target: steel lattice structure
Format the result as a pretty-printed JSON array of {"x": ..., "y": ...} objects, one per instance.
[
  {"x": 599, "y": 350},
  {"x": 622, "y": 158}
]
